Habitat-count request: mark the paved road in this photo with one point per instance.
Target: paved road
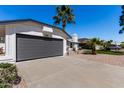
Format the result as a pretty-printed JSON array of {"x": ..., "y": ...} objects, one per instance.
[{"x": 70, "y": 72}]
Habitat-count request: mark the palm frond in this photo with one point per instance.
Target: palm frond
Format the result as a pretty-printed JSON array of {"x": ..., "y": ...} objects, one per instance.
[
  {"x": 121, "y": 31},
  {"x": 121, "y": 22},
  {"x": 64, "y": 15}
]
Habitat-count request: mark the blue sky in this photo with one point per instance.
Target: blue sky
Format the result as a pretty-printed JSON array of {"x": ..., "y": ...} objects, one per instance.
[{"x": 91, "y": 21}]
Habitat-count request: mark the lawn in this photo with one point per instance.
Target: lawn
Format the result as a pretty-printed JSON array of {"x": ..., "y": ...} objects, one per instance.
[{"x": 110, "y": 52}]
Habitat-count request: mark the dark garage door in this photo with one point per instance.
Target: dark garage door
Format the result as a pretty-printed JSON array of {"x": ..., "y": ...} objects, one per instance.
[{"x": 32, "y": 47}]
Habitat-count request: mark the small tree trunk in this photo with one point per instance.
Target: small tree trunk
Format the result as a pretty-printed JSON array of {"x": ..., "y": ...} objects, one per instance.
[
  {"x": 63, "y": 25},
  {"x": 94, "y": 50}
]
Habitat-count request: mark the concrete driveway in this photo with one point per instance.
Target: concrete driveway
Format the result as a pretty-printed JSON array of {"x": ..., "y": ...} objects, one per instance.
[{"x": 67, "y": 72}]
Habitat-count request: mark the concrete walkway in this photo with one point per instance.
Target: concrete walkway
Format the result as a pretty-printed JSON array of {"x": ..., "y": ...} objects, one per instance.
[{"x": 67, "y": 72}]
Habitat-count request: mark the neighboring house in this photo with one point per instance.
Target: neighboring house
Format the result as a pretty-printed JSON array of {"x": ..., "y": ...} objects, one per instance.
[
  {"x": 83, "y": 40},
  {"x": 29, "y": 39},
  {"x": 114, "y": 47},
  {"x": 83, "y": 43},
  {"x": 73, "y": 42},
  {"x": 99, "y": 47}
]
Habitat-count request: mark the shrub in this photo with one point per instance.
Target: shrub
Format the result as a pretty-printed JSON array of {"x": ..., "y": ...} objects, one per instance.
[
  {"x": 8, "y": 75},
  {"x": 5, "y": 65},
  {"x": 5, "y": 85}
]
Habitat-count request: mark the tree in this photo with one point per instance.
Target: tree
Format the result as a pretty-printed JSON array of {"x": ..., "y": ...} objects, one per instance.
[
  {"x": 63, "y": 16},
  {"x": 122, "y": 20},
  {"x": 122, "y": 44},
  {"x": 106, "y": 44},
  {"x": 102, "y": 42},
  {"x": 93, "y": 42}
]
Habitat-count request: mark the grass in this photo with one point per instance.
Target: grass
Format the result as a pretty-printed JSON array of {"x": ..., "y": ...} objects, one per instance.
[{"x": 110, "y": 52}]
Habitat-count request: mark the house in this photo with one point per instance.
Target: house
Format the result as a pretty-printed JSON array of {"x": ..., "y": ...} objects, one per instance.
[
  {"x": 73, "y": 42},
  {"x": 83, "y": 40},
  {"x": 83, "y": 43},
  {"x": 114, "y": 47},
  {"x": 30, "y": 39}
]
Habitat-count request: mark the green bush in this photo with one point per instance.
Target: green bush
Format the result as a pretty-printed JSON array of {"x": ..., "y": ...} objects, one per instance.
[
  {"x": 5, "y": 85},
  {"x": 110, "y": 52},
  {"x": 5, "y": 65},
  {"x": 8, "y": 75}
]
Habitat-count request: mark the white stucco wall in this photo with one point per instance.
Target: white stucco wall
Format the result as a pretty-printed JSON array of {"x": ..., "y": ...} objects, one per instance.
[
  {"x": 10, "y": 41},
  {"x": 99, "y": 47},
  {"x": 11, "y": 31},
  {"x": 75, "y": 39},
  {"x": 64, "y": 47}
]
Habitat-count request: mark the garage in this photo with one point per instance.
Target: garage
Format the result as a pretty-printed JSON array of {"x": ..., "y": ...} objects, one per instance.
[{"x": 32, "y": 47}]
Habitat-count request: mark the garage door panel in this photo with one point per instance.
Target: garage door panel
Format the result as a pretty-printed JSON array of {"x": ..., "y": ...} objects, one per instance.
[{"x": 30, "y": 47}]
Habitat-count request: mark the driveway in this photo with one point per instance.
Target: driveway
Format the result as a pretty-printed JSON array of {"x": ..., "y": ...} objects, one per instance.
[{"x": 70, "y": 72}]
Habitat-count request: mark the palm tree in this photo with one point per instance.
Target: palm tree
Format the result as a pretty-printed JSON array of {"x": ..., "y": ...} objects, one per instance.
[
  {"x": 93, "y": 42},
  {"x": 122, "y": 44},
  {"x": 63, "y": 16},
  {"x": 122, "y": 20}
]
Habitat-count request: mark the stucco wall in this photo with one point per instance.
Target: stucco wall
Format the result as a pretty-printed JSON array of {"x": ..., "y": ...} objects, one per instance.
[{"x": 59, "y": 32}]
